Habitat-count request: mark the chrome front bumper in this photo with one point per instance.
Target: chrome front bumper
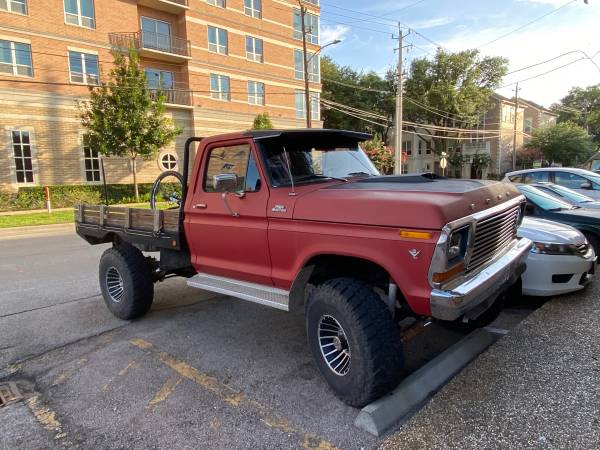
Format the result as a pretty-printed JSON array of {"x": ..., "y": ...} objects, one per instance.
[{"x": 480, "y": 291}]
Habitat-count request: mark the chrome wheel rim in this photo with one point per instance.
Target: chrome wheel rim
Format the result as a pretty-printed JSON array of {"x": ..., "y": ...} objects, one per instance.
[
  {"x": 334, "y": 346},
  {"x": 114, "y": 285}
]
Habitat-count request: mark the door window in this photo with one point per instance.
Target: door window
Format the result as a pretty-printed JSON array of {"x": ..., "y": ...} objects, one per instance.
[
  {"x": 569, "y": 180},
  {"x": 535, "y": 177},
  {"x": 237, "y": 159},
  {"x": 156, "y": 34}
]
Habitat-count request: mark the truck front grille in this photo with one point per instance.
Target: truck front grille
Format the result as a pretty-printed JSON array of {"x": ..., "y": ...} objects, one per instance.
[{"x": 492, "y": 235}]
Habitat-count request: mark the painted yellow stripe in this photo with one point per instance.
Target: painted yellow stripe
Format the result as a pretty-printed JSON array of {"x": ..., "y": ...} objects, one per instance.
[{"x": 164, "y": 392}]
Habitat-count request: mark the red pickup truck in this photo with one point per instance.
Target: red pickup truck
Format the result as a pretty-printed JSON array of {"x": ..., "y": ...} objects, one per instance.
[{"x": 301, "y": 220}]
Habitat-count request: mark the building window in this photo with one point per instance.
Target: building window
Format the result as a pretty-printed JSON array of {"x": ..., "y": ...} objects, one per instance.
[
  {"x": 22, "y": 153},
  {"x": 156, "y": 34},
  {"x": 83, "y": 68},
  {"x": 311, "y": 23},
  {"x": 217, "y": 40},
  {"x": 15, "y": 58},
  {"x": 80, "y": 13},
  {"x": 168, "y": 161},
  {"x": 254, "y": 49},
  {"x": 253, "y": 8},
  {"x": 407, "y": 147},
  {"x": 158, "y": 79},
  {"x": 14, "y": 6},
  {"x": 528, "y": 125},
  {"x": 219, "y": 87},
  {"x": 219, "y": 3},
  {"x": 312, "y": 2},
  {"x": 91, "y": 161},
  {"x": 315, "y": 110},
  {"x": 256, "y": 93},
  {"x": 313, "y": 66}
]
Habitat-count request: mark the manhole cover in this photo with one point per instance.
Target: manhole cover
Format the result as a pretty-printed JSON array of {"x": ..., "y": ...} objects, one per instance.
[{"x": 9, "y": 393}]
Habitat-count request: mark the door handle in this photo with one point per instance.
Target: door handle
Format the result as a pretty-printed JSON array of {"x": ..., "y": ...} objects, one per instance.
[{"x": 199, "y": 206}]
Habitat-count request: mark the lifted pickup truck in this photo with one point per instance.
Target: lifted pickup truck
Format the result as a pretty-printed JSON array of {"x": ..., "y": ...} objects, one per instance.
[{"x": 300, "y": 220}]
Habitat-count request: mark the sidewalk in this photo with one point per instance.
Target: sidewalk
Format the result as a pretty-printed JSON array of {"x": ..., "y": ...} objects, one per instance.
[{"x": 538, "y": 387}]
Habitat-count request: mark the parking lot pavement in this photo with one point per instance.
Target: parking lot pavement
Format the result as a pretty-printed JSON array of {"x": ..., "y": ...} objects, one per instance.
[
  {"x": 538, "y": 387},
  {"x": 198, "y": 371}
]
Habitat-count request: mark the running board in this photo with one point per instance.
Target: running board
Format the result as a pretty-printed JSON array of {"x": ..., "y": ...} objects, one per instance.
[{"x": 257, "y": 293}]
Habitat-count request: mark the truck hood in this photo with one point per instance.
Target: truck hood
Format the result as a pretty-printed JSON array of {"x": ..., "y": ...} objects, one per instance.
[
  {"x": 412, "y": 201},
  {"x": 540, "y": 230}
]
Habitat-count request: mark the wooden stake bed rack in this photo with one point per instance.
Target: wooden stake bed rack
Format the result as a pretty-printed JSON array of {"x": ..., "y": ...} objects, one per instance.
[{"x": 152, "y": 228}]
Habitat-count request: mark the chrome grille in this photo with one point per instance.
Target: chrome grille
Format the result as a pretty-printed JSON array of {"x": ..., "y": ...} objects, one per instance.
[{"x": 492, "y": 234}]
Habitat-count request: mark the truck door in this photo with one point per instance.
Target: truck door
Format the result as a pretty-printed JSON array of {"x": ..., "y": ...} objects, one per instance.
[{"x": 228, "y": 231}]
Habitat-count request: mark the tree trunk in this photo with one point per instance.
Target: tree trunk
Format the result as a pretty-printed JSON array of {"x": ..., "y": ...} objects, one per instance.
[{"x": 135, "y": 184}]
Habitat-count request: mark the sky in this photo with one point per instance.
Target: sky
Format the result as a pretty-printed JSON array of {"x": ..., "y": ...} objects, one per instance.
[{"x": 366, "y": 29}]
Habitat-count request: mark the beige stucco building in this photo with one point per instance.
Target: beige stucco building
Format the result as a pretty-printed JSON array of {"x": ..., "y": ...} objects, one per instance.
[{"x": 220, "y": 62}]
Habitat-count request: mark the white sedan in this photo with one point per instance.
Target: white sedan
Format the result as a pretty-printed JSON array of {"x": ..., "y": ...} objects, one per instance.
[{"x": 561, "y": 260}]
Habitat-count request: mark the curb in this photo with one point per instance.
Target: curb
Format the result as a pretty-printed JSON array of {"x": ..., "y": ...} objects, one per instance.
[
  {"x": 414, "y": 391},
  {"x": 36, "y": 230}
]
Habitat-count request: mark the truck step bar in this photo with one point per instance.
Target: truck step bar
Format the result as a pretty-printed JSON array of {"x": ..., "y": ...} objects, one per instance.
[{"x": 257, "y": 293}]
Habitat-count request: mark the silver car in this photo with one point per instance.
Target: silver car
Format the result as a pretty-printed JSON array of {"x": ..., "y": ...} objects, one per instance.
[
  {"x": 568, "y": 195},
  {"x": 582, "y": 181}
]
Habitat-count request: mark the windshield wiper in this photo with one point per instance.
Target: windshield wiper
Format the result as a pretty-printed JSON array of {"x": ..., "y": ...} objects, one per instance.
[
  {"x": 556, "y": 209},
  {"x": 357, "y": 174},
  {"x": 308, "y": 177}
]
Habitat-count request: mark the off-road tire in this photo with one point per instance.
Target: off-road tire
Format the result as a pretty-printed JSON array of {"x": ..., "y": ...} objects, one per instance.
[
  {"x": 137, "y": 293},
  {"x": 372, "y": 337}
]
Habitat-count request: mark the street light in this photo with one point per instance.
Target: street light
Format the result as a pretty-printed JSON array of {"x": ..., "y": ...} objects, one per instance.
[{"x": 307, "y": 101}]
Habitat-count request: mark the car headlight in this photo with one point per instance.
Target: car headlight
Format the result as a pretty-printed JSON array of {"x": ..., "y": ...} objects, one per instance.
[
  {"x": 554, "y": 249},
  {"x": 457, "y": 245}
]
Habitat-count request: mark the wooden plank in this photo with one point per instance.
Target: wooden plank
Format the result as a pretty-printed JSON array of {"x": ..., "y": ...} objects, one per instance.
[
  {"x": 115, "y": 217},
  {"x": 127, "y": 221},
  {"x": 171, "y": 220},
  {"x": 141, "y": 219}
]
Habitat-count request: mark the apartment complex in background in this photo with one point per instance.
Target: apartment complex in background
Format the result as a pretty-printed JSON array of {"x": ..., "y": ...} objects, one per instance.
[
  {"x": 219, "y": 62},
  {"x": 496, "y": 139}
]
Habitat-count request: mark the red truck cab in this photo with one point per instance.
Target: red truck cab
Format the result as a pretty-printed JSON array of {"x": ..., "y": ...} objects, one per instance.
[{"x": 302, "y": 220}]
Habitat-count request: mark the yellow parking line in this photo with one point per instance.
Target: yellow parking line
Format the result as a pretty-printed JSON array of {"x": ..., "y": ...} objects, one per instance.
[
  {"x": 45, "y": 416},
  {"x": 164, "y": 392},
  {"x": 131, "y": 365},
  {"x": 231, "y": 396}
]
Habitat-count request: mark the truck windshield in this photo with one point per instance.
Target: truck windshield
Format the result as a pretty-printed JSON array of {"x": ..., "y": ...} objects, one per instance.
[{"x": 309, "y": 163}]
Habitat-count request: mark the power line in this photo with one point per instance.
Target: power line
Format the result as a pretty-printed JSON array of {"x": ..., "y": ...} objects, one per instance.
[
  {"x": 527, "y": 24},
  {"x": 544, "y": 73},
  {"x": 557, "y": 57}
]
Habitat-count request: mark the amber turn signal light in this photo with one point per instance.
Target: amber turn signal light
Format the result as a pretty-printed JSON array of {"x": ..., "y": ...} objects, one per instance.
[
  {"x": 440, "y": 277},
  {"x": 411, "y": 234}
]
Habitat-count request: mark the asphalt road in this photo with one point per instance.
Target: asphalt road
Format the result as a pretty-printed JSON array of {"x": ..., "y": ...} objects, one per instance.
[{"x": 198, "y": 371}]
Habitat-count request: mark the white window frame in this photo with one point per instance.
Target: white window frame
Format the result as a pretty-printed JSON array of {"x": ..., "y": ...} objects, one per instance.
[
  {"x": 160, "y": 73},
  {"x": 86, "y": 77},
  {"x": 315, "y": 110},
  {"x": 254, "y": 96},
  {"x": 220, "y": 94},
  {"x": 80, "y": 17},
  {"x": 253, "y": 10},
  {"x": 13, "y": 63},
  {"x": 174, "y": 158},
  {"x": 216, "y": 3},
  {"x": 9, "y": 6},
  {"x": 314, "y": 62},
  {"x": 311, "y": 37},
  {"x": 84, "y": 158},
  {"x": 254, "y": 55},
  {"x": 218, "y": 47},
  {"x": 12, "y": 159}
]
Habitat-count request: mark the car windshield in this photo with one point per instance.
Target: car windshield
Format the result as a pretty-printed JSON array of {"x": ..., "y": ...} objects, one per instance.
[
  {"x": 545, "y": 201},
  {"x": 310, "y": 163},
  {"x": 566, "y": 192}
]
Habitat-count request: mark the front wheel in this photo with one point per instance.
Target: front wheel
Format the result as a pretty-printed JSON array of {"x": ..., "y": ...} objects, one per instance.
[{"x": 354, "y": 340}]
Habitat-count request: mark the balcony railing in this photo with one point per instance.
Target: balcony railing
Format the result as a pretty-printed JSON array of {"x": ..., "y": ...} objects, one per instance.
[
  {"x": 148, "y": 40},
  {"x": 180, "y": 97}
]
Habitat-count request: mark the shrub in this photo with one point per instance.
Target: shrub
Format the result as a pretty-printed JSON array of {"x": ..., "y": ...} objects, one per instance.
[
  {"x": 66, "y": 196},
  {"x": 381, "y": 155}
]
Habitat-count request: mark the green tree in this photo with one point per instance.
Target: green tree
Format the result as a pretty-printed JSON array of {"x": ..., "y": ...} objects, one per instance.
[
  {"x": 366, "y": 91},
  {"x": 581, "y": 106},
  {"x": 381, "y": 155},
  {"x": 124, "y": 118},
  {"x": 262, "y": 122},
  {"x": 566, "y": 143},
  {"x": 451, "y": 90}
]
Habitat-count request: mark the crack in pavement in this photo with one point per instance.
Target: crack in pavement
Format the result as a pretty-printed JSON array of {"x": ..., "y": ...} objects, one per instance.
[{"x": 51, "y": 306}]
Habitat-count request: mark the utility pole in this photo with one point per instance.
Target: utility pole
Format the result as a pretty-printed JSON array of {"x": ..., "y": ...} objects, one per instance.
[
  {"x": 514, "y": 155},
  {"x": 307, "y": 103},
  {"x": 399, "y": 93}
]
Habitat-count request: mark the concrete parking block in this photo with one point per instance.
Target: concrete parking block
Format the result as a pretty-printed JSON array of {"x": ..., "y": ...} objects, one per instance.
[{"x": 417, "y": 388}]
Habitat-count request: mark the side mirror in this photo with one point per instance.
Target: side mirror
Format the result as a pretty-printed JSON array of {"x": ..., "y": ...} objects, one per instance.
[
  {"x": 225, "y": 182},
  {"x": 586, "y": 185},
  {"x": 529, "y": 209}
]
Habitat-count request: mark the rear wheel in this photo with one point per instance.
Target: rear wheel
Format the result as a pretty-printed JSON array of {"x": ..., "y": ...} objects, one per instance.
[
  {"x": 126, "y": 282},
  {"x": 354, "y": 340}
]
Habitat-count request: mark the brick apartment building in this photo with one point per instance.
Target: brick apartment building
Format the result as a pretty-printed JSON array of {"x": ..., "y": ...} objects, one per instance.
[
  {"x": 498, "y": 145},
  {"x": 220, "y": 62}
]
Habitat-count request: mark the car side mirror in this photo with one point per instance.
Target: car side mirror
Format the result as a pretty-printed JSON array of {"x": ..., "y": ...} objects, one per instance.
[
  {"x": 225, "y": 182},
  {"x": 586, "y": 185},
  {"x": 529, "y": 209}
]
